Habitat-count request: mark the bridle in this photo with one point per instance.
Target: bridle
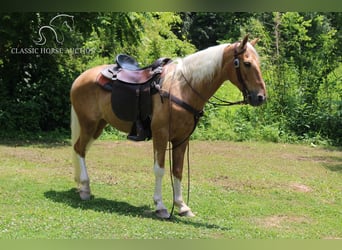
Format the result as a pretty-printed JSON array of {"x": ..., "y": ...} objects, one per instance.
[
  {"x": 244, "y": 91},
  {"x": 236, "y": 62}
]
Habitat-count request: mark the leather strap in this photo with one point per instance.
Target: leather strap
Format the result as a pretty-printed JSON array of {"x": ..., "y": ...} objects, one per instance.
[
  {"x": 197, "y": 113},
  {"x": 245, "y": 91}
]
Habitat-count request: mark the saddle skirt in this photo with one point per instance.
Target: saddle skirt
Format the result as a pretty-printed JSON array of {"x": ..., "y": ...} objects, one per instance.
[{"x": 131, "y": 89}]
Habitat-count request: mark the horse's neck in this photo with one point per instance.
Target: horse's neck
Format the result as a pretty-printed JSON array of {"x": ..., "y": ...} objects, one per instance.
[
  {"x": 195, "y": 95},
  {"x": 201, "y": 74}
]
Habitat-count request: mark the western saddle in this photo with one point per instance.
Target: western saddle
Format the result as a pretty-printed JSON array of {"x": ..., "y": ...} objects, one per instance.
[
  {"x": 127, "y": 70},
  {"x": 132, "y": 88}
]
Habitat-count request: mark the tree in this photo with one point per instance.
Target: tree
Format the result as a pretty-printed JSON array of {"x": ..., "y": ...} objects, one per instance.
[
  {"x": 36, "y": 79},
  {"x": 205, "y": 29}
]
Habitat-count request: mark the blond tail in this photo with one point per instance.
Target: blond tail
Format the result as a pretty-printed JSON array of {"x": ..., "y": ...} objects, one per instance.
[{"x": 75, "y": 133}]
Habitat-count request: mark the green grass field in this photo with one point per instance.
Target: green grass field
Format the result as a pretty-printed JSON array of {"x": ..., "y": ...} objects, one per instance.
[{"x": 238, "y": 191}]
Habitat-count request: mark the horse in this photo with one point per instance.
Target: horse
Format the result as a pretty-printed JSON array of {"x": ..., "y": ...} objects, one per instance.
[{"x": 187, "y": 85}]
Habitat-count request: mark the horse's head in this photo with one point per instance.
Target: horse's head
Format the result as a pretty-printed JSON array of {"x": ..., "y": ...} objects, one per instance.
[{"x": 243, "y": 66}]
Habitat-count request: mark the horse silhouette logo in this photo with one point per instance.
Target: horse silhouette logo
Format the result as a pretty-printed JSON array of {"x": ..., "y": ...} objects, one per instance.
[{"x": 56, "y": 27}]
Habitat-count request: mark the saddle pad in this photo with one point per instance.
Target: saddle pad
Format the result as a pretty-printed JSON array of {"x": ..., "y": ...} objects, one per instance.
[
  {"x": 131, "y": 102},
  {"x": 104, "y": 83}
]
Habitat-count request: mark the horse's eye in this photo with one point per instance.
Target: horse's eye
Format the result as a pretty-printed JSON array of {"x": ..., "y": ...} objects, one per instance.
[
  {"x": 236, "y": 63},
  {"x": 247, "y": 64}
]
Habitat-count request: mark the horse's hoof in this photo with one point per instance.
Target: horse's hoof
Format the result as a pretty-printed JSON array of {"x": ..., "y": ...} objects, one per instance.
[
  {"x": 163, "y": 214},
  {"x": 187, "y": 214},
  {"x": 84, "y": 195}
]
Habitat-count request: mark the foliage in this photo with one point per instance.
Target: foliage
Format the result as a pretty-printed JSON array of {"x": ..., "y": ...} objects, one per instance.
[
  {"x": 300, "y": 55},
  {"x": 159, "y": 40},
  {"x": 205, "y": 29}
]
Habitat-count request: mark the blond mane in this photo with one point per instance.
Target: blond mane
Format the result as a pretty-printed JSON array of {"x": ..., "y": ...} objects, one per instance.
[{"x": 201, "y": 66}]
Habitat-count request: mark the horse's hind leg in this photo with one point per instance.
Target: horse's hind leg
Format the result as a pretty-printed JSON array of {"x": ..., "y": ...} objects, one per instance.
[{"x": 82, "y": 137}]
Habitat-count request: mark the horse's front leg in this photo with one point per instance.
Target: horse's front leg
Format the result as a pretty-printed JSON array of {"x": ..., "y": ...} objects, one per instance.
[
  {"x": 177, "y": 170},
  {"x": 159, "y": 171}
]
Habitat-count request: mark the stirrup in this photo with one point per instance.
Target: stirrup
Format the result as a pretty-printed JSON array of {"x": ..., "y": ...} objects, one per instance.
[
  {"x": 137, "y": 137},
  {"x": 138, "y": 132}
]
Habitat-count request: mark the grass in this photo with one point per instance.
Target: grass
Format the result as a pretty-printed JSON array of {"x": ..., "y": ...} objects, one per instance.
[{"x": 238, "y": 191}]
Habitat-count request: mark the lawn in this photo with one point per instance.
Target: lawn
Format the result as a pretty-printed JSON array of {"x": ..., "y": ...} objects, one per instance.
[{"x": 248, "y": 190}]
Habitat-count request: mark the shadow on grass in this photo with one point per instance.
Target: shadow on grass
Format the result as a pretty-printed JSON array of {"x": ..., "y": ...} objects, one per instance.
[
  {"x": 71, "y": 198},
  {"x": 39, "y": 139},
  {"x": 333, "y": 163}
]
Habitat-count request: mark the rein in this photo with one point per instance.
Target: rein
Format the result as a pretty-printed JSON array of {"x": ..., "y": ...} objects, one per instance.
[{"x": 197, "y": 115}]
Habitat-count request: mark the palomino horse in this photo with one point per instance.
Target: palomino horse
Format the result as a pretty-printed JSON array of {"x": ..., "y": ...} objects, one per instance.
[{"x": 191, "y": 80}]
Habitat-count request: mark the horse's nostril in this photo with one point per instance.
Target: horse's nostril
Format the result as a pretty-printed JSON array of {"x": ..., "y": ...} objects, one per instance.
[{"x": 261, "y": 98}]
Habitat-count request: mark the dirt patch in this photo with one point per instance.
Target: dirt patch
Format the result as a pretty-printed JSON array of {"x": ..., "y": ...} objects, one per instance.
[
  {"x": 300, "y": 188},
  {"x": 280, "y": 221},
  {"x": 241, "y": 185},
  {"x": 230, "y": 184},
  {"x": 332, "y": 238}
]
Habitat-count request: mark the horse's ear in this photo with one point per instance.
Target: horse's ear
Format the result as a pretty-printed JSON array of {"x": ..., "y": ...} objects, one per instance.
[
  {"x": 254, "y": 41},
  {"x": 244, "y": 42}
]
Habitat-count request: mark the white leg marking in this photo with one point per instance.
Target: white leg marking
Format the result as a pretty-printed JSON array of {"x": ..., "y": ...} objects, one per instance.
[
  {"x": 84, "y": 174},
  {"x": 157, "y": 197},
  {"x": 183, "y": 208},
  {"x": 161, "y": 210},
  {"x": 84, "y": 180},
  {"x": 178, "y": 191}
]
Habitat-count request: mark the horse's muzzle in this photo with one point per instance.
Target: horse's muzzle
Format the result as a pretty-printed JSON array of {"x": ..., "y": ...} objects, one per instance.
[{"x": 256, "y": 99}]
